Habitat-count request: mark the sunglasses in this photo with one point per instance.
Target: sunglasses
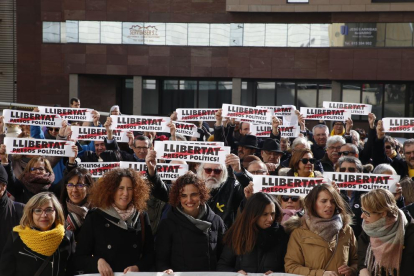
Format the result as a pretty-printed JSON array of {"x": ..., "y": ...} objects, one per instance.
[
  {"x": 53, "y": 129},
  {"x": 209, "y": 171},
  {"x": 349, "y": 169},
  {"x": 346, "y": 153},
  {"x": 306, "y": 160},
  {"x": 293, "y": 198},
  {"x": 388, "y": 147}
]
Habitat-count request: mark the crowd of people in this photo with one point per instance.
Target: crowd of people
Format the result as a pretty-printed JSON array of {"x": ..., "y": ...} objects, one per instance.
[{"x": 56, "y": 219}]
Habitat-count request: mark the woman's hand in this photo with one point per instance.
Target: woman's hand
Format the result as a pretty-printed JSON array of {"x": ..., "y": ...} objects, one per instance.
[
  {"x": 248, "y": 190},
  {"x": 75, "y": 151},
  {"x": 104, "y": 268},
  {"x": 364, "y": 272},
  {"x": 345, "y": 270},
  {"x": 269, "y": 272},
  {"x": 151, "y": 161},
  {"x": 3, "y": 155},
  {"x": 133, "y": 268},
  {"x": 168, "y": 271},
  {"x": 398, "y": 191},
  {"x": 233, "y": 161},
  {"x": 330, "y": 273},
  {"x": 242, "y": 272}
]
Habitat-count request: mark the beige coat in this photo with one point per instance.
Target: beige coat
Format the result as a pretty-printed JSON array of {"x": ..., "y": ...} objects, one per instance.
[{"x": 308, "y": 253}]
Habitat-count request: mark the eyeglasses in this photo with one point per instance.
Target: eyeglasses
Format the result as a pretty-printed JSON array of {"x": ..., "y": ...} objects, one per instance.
[
  {"x": 350, "y": 169},
  {"x": 40, "y": 169},
  {"x": 53, "y": 129},
  {"x": 210, "y": 170},
  {"x": 388, "y": 147},
  {"x": 346, "y": 153},
  {"x": 71, "y": 186},
  {"x": 258, "y": 172},
  {"x": 335, "y": 148},
  {"x": 306, "y": 160},
  {"x": 293, "y": 198},
  {"x": 47, "y": 211},
  {"x": 366, "y": 213}
]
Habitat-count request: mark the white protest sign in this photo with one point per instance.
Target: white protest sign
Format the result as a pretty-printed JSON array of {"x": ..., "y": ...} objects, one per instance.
[
  {"x": 67, "y": 113},
  {"x": 311, "y": 113},
  {"x": 258, "y": 115},
  {"x": 285, "y": 111},
  {"x": 198, "y": 273},
  {"x": 98, "y": 169},
  {"x": 401, "y": 125},
  {"x": 355, "y": 108},
  {"x": 39, "y": 147},
  {"x": 97, "y": 134},
  {"x": 253, "y": 122},
  {"x": 142, "y": 123},
  {"x": 289, "y": 131},
  {"x": 363, "y": 181},
  {"x": 196, "y": 114},
  {"x": 285, "y": 185},
  {"x": 165, "y": 171},
  {"x": 174, "y": 150},
  {"x": 186, "y": 129},
  {"x": 206, "y": 143},
  {"x": 31, "y": 118},
  {"x": 260, "y": 130}
]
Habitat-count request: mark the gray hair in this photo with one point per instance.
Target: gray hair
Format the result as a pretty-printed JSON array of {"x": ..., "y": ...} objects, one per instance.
[
  {"x": 357, "y": 136},
  {"x": 335, "y": 139},
  {"x": 408, "y": 143},
  {"x": 224, "y": 174},
  {"x": 383, "y": 168},
  {"x": 259, "y": 162},
  {"x": 300, "y": 141},
  {"x": 354, "y": 148},
  {"x": 113, "y": 108},
  {"x": 321, "y": 126},
  {"x": 350, "y": 159}
]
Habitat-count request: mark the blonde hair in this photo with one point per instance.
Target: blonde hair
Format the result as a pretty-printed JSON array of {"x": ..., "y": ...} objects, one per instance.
[
  {"x": 37, "y": 201},
  {"x": 380, "y": 200}
]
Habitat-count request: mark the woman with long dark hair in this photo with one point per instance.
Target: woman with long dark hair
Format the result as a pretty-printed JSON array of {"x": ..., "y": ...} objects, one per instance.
[{"x": 256, "y": 242}]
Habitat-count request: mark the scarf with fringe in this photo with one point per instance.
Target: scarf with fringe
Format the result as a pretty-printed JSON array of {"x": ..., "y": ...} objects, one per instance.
[
  {"x": 76, "y": 215},
  {"x": 125, "y": 214},
  {"x": 384, "y": 251},
  {"x": 326, "y": 228}
]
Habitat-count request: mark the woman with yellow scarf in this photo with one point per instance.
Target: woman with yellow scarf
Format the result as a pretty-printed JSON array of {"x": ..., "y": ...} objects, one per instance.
[{"x": 39, "y": 245}]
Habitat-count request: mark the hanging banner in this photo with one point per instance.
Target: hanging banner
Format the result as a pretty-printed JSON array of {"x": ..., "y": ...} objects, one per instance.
[
  {"x": 39, "y": 147},
  {"x": 67, "y": 113},
  {"x": 260, "y": 130},
  {"x": 311, "y": 113},
  {"x": 363, "y": 181},
  {"x": 141, "y": 123},
  {"x": 97, "y": 134},
  {"x": 401, "y": 125},
  {"x": 31, "y": 118},
  {"x": 165, "y": 171},
  {"x": 289, "y": 131},
  {"x": 258, "y": 115},
  {"x": 98, "y": 169},
  {"x": 186, "y": 129},
  {"x": 285, "y": 185},
  {"x": 196, "y": 114},
  {"x": 174, "y": 150},
  {"x": 355, "y": 108}
]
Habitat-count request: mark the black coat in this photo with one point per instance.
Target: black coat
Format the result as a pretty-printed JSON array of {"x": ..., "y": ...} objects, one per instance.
[
  {"x": 10, "y": 214},
  {"x": 181, "y": 246},
  {"x": 18, "y": 260},
  {"x": 99, "y": 238},
  {"x": 268, "y": 253}
]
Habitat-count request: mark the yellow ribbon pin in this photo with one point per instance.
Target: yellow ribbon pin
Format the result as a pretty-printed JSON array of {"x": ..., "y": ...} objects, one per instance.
[{"x": 220, "y": 207}]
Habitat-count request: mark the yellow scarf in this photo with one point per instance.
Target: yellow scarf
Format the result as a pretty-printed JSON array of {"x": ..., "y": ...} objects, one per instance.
[
  {"x": 311, "y": 174},
  {"x": 411, "y": 172},
  {"x": 393, "y": 154},
  {"x": 42, "y": 242},
  {"x": 333, "y": 132}
]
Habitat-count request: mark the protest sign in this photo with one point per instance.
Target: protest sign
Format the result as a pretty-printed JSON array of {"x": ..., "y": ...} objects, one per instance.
[
  {"x": 98, "y": 169},
  {"x": 196, "y": 114},
  {"x": 174, "y": 150},
  {"x": 363, "y": 181},
  {"x": 285, "y": 185},
  {"x": 67, "y": 113},
  {"x": 206, "y": 143},
  {"x": 165, "y": 171},
  {"x": 97, "y": 134},
  {"x": 258, "y": 115},
  {"x": 142, "y": 123},
  {"x": 198, "y": 273},
  {"x": 289, "y": 131},
  {"x": 38, "y": 147},
  {"x": 185, "y": 129},
  {"x": 260, "y": 130},
  {"x": 287, "y": 112},
  {"x": 355, "y": 108},
  {"x": 31, "y": 118},
  {"x": 311, "y": 113},
  {"x": 402, "y": 125}
]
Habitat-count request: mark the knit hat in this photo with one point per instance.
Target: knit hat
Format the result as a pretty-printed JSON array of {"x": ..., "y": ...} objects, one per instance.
[{"x": 3, "y": 175}]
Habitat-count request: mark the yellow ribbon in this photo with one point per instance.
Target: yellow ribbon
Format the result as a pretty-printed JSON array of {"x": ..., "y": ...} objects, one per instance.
[{"x": 220, "y": 207}]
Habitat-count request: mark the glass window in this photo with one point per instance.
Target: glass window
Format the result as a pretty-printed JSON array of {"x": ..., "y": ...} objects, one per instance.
[
  {"x": 89, "y": 31},
  {"x": 225, "y": 89},
  {"x": 399, "y": 35},
  {"x": 154, "y": 33},
  {"x": 236, "y": 34},
  {"x": 247, "y": 93},
  {"x": 127, "y": 94},
  {"x": 51, "y": 32},
  {"x": 276, "y": 35},
  {"x": 254, "y": 35},
  {"x": 72, "y": 31},
  {"x": 219, "y": 34},
  {"x": 177, "y": 94},
  {"x": 133, "y": 32},
  {"x": 373, "y": 93},
  {"x": 266, "y": 93},
  {"x": 325, "y": 93},
  {"x": 198, "y": 34},
  {"x": 150, "y": 97},
  {"x": 394, "y": 100},
  {"x": 298, "y": 35},
  {"x": 176, "y": 34},
  {"x": 213, "y": 94},
  {"x": 319, "y": 35},
  {"x": 307, "y": 93},
  {"x": 111, "y": 32},
  {"x": 285, "y": 93}
]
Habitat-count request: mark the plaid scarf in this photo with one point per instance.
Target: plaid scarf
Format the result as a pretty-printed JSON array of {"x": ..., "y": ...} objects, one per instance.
[{"x": 125, "y": 214}]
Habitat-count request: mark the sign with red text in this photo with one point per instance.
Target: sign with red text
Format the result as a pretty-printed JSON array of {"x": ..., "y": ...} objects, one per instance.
[
  {"x": 31, "y": 118},
  {"x": 141, "y": 123},
  {"x": 205, "y": 143},
  {"x": 280, "y": 111},
  {"x": 196, "y": 114},
  {"x": 186, "y": 129},
  {"x": 97, "y": 134},
  {"x": 363, "y": 181},
  {"x": 98, "y": 169},
  {"x": 355, "y": 108},
  {"x": 165, "y": 171},
  {"x": 67, "y": 113},
  {"x": 312, "y": 113},
  {"x": 398, "y": 124},
  {"x": 174, "y": 150},
  {"x": 260, "y": 130},
  {"x": 255, "y": 114},
  {"x": 289, "y": 131},
  {"x": 38, "y": 147},
  {"x": 285, "y": 185}
]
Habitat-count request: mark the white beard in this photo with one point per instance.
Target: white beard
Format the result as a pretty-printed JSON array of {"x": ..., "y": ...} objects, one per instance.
[{"x": 212, "y": 183}]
